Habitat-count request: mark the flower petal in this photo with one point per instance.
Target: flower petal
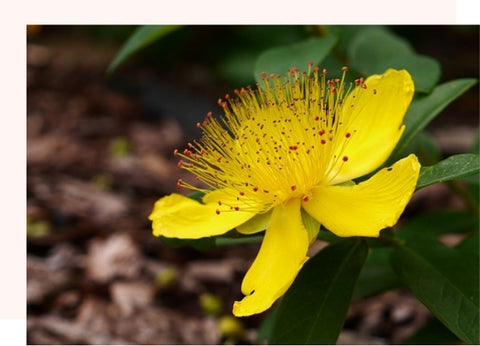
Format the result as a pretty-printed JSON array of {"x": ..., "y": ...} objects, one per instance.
[
  {"x": 371, "y": 124},
  {"x": 177, "y": 216},
  {"x": 256, "y": 224},
  {"x": 366, "y": 208},
  {"x": 281, "y": 256}
]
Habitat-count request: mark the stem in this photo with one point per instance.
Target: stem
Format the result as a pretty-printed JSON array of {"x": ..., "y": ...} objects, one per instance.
[{"x": 386, "y": 239}]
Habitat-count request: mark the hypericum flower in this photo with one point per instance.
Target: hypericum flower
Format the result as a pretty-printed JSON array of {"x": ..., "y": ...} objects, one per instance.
[{"x": 282, "y": 159}]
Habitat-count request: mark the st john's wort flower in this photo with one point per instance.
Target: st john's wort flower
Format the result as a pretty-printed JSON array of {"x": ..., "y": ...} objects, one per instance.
[{"x": 283, "y": 159}]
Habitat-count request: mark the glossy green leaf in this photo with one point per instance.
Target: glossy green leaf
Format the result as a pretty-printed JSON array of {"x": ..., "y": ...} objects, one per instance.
[
  {"x": 280, "y": 59},
  {"x": 454, "y": 167},
  {"x": 438, "y": 223},
  {"x": 372, "y": 46},
  {"x": 314, "y": 308},
  {"x": 377, "y": 274},
  {"x": 445, "y": 280},
  {"x": 266, "y": 328},
  {"x": 140, "y": 38},
  {"x": 373, "y": 50},
  {"x": 424, "y": 109}
]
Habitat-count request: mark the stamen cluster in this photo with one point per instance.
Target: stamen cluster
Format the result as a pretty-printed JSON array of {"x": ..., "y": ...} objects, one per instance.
[{"x": 275, "y": 142}]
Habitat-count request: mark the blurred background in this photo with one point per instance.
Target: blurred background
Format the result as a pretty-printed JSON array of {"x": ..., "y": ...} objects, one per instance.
[{"x": 99, "y": 154}]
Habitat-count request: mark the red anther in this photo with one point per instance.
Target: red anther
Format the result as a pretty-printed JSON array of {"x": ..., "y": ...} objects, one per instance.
[
  {"x": 175, "y": 152},
  {"x": 219, "y": 202},
  {"x": 334, "y": 90},
  {"x": 364, "y": 86},
  {"x": 255, "y": 189},
  {"x": 217, "y": 211},
  {"x": 236, "y": 208},
  {"x": 310, "y": 63},
  {"x": 190, "y": 165},
  {"x": 317, "y": 118},
  {"x": 219, "y": 101},
  {"x": 242, "y": 91},
  {"x": 323, "y": 141},
  {"x": 179, "y": 183},
  {"x": 357, "y": 81},
  {"x": 199, "y": 125},
  {"x": 263, "y": 74},
  {"x": 209, "y": 114},
  {"x": 361, "y": 80},
  {"x": 242, "y": 193},
  {"x": 190, "y": 145},
  {"x": 293, "y": 187},
  {"x": 330, "y": 82},
  {"x": 374, "y": 91},
  {"x": 324, "y": 71},
  {"x": 316, "y": 69},
  {"x": 321, "y": 132},
  {"x": 345, "y": 158},
  {"x": 348, "y": 134},
  {"x": 272, "y": 75},
  {"x": 305, "y": 198},
  {"x": 344, "y": 68},
  {"x": 337, "y": 80},
  {"x": 224, "y": 105},
  {"x": 180, "y": 164},
  {"x": 266, "y": 191},
  {"x": 236, "y": 91},
  {"x": 293, "y": 147},
  {"x": 227, "y": 97},
  {"x": 219, "y": 159},
  {"x": 204, "y": 123},
  {"x": 185, "y": 152}
]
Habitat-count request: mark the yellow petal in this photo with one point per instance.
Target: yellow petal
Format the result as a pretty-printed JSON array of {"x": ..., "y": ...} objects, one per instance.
[
  {"x": 256, "y": 224},
  {"x": 371, "y": 126},
  {"x": 281, "y": 256},
  {"x": 177, "y": 216},
  {"x": 366, "y": 208}
]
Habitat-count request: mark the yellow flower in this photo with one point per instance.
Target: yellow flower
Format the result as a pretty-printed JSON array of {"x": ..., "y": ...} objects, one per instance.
[{"x": 283, "y": 159}]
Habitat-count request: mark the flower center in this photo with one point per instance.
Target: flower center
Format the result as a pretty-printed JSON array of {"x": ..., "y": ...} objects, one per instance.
[{"x": 273, "y": 144}]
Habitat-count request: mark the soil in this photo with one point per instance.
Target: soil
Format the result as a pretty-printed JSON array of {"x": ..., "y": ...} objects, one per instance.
[{"x": 99, "y": 154}]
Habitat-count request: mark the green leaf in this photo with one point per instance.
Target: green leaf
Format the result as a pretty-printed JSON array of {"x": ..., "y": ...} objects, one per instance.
[
  {"x": 377, "y": 274},
  {"x": 438, "y": 223},
  {"x": 432, "y": 333},
  {"x": 373, "y": 50},
  {"x": 445, "y": 280},
  {"x": 280, "y": 59},
  {"x": 314, "y": 308},
  {"x": 373, "y": 46},
  {"x": 453, "y": 167},
  {"x": 265, "y": 330},
  {"x": 471, "y": 244},
  {"x": 140, "y": 38},
  {"x": 424, "y": 109}
]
